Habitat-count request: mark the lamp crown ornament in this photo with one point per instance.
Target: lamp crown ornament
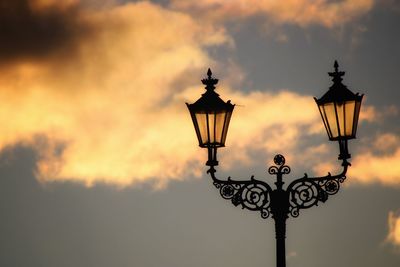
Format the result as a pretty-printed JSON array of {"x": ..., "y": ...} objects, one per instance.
[
  {"x": 209, "y": 82},
  {"x": 337, "y": 75}
]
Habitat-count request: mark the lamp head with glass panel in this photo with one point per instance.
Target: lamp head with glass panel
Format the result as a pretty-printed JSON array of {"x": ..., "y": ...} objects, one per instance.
[
  {"x": 340, "y": 109},
  {"x": 211, "y": 116}
]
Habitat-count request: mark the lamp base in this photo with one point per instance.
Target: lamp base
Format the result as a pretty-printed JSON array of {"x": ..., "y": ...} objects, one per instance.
[
  {"x": 344, "y": 152},
  {"x": 212, "y": 163}
]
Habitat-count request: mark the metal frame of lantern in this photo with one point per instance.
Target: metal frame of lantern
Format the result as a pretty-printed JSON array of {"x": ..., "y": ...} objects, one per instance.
[
  {"x": 302, "y": 193},
  {"x": 214, "y": 115},
  {"x": 339, "y": 109}
]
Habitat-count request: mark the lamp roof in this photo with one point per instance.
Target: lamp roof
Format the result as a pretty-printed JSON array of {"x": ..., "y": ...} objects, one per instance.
[
  {"x": 338, "y": 92},
  {"x": 210, "y": 100}
]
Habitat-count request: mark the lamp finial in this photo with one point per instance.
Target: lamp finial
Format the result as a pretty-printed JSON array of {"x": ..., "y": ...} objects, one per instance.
[
  {"x": 209, "y": 82},
  {"x": 337, "y": 75},
  {"x": 209, "y": 73}
]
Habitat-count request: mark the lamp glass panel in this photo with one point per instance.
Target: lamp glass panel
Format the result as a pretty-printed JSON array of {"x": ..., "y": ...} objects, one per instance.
[
  {"x": 341, "y": 118},
  {"x": 211, "y": 125},
  {"x": 349, "y": 118},
  {"x": 356, "y": 115},
  {"x": 329, "y": 115},
  {"x": 226, "y": 126},
  {"x": 219, "y": 127},
  {"x": 201, "y": 119},
  {"x": 321, "y": 110}
]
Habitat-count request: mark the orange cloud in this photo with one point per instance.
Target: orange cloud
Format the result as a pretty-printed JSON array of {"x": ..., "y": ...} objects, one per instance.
[
  {"x": 105, "y": 112},
  {"x": 394, "y": 229},
  {"x": 300, "y": 12},
  {"x": 270, "y": 123},
  {"x": 108, "y": 107},
  {"x": 376, "y": 162},
  {"x": 43, "y": 5},
  {"x": 372, "y": 168},
  {"x": 267, "y": 123}
]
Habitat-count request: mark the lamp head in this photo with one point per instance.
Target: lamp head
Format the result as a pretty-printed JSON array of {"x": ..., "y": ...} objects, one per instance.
[
  {"x": 339, "y": 108},
  {"x": 211, "y": 117}
]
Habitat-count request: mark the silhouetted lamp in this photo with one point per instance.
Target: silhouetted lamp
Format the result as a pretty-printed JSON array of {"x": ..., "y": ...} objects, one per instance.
[
  {"x": 211, "y": 116},
  {"x": 340, "y": 108}
]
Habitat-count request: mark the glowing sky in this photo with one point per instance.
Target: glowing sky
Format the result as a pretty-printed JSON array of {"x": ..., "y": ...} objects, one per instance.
[{"x": 92, "y": 118}]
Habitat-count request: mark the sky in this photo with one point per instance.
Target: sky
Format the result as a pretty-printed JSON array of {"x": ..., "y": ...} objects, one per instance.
[{"x": 99, "y": 162}]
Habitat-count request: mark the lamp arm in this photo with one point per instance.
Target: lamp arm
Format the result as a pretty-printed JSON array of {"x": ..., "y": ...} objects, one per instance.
[
  {"x": 308, "y": 191},
  {"x": 252, "y": 194}
]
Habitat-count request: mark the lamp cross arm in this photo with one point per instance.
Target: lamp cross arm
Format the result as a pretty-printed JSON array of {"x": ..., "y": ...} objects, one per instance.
[
  {"x": 250, "y": 194},
  {"x": 307, "y": 192}
]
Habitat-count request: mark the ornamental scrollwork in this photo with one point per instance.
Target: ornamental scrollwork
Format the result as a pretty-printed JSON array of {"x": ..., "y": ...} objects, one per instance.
[
  {"x": 281, "y": 168},
  {"x": 252, "y": 195},
  {"x": 303, "y": 193},
  {"x": 307, "y": 192}
]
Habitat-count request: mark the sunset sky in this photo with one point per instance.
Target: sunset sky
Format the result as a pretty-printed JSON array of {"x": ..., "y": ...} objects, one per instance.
[{"x": 99, "y": 162}]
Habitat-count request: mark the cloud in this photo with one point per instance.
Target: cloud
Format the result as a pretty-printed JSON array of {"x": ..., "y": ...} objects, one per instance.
[
  {"x": 393, "y": 236},
  {"x": 370, "y": 168},
  {"x": 108, "y": 107},
  {"x": 269, "y": 123},
  {"x": 375, "y": 162},
  {"x": 38, "y": 28},
  {"x": 298, "y": 12},
  {"x": 261, "y": 126},
  {"x": 106, "y": 112},
  {"x": 113, "y": 112},
  {"x": 264, "y": 124}
]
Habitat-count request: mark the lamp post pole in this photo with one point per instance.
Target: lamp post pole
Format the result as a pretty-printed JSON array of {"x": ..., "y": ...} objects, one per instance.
[
  {"x": 280, "y": 210},
  {"x": 339, "y": 109}
]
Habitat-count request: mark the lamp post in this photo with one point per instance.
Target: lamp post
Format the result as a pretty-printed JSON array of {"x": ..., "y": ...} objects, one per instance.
[{"x": 339, "y": 109}]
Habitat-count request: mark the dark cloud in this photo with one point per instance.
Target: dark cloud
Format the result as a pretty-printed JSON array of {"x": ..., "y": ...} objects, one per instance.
[{"x": 29, "y": 32}]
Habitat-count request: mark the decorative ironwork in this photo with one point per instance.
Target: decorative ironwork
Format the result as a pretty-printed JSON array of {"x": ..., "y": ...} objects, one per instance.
[
  {"x": 279, "y": 160},
  {"x": 252, "y": 194},
  {"x": 302, "y": 193},
  {"x": 307, "y": 192}
]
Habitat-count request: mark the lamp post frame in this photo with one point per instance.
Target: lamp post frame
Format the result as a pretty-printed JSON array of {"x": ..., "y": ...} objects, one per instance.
[
  {"x": 303, "y": 193},
  {"x": 281, "y": 203}
]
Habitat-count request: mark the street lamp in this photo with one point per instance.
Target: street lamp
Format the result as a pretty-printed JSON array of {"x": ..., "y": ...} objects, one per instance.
[
  {"x": 211, "y": 116},
  {"x": 339, "y": 109}
]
